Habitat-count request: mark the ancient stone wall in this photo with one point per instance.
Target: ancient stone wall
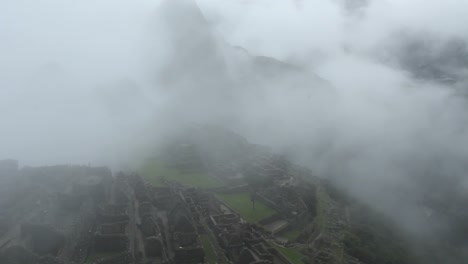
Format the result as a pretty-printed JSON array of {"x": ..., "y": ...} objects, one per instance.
[
  {"x": 154, "y": 247},
  {"x": 69, "y": 202},
  {"x": 43, "y": 239},
  {"x": 189, "y": 255},
  {"x": 111, "y": 243},
  {"x": 123, "y": 258},
  {"x": 80, "y": 240},
  {"x": 112, "y": 228}
]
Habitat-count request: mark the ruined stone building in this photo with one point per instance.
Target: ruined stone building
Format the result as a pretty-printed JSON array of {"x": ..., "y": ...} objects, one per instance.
[{"x": 89, "y": 215}]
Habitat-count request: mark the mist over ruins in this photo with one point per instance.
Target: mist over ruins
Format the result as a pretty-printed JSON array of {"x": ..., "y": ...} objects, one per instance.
[{"x": 233, "y": 132}]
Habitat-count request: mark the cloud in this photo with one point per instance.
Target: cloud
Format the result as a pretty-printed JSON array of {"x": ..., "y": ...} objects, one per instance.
[
  {"x": 57, "y": 56},
  {"x": 374, "y": 124},
  {"x": 327, "y": 82}
]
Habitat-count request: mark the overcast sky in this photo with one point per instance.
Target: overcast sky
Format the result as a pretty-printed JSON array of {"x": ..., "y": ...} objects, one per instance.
[{"x": 67, "y": 67}]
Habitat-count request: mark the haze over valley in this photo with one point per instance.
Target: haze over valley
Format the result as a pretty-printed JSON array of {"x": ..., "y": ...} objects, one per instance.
[{"x": 352, "y": 112}]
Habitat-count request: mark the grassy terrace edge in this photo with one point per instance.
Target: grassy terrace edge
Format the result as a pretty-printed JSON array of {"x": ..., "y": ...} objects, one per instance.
[{"x": 153, "y": 171}]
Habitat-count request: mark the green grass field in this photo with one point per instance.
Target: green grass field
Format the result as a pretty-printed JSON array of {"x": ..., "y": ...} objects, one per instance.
[
  {"x": 210, "y": 257},
  {"x": 290, "y": 234},
  {"x": 323, "y": 201},
  {"x": 154, "y": 171},
  {"x": 241, "y": 203},
  {"x": 292, "y": 254}
]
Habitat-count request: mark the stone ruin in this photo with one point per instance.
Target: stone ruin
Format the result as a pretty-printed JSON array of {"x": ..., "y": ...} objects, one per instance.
[
  {"x": 140, "y": 188},
  {"x": 121, "y": 258},
  {"x": 69, "y": 202},
  {"x": 42, "y": 239},
  {"x": 149, "y": 226},
  {"x": 199, "y": 202},
  {"x": 112, "y": 213},
  {"x": 113, "y": 242},
  {"x": 187, "y": 248},
  {"x": 113, "y": 228},
  {"x": 241, "y": 242},
  {"x": 224, "y": 221},
  {"x": 21, "y": 255},
  {"x": 131, "y": 222},
  {"x": 87, "y": 205},
  {"x": 93, "y": 188},
  {"x": 185, "y": 239},
  {"x": 110, "y": 235},
  {"x": 154, "y": 247},
  {"x": 237, "y": 240},
  {"x": 154, "y": 239},
  {"x": 162, "y": 197}
]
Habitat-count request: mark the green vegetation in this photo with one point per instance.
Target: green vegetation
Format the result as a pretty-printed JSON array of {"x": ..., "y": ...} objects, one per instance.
[
  {"x": 322, "y": 208},
  {"x": 375, "y": 240},
  {"x": 154, "y": 170},
  {"x": 292, "y": 254},
  {"x": 241, "y": 203},
  {"x": 209, "y": 250},
  {"x": 368, "y": 247},
  {"x": 290, "y": 234}
]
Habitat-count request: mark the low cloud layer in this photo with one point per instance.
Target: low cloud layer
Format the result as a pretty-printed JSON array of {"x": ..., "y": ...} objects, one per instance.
[
  {"x": 371, "y": 93},
  {"x": 70, "y": 80}
]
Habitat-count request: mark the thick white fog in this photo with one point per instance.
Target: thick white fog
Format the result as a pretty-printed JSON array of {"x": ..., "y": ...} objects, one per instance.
[
  {"x": 70, "y": 79},
  {"x": 368, "y": 92}
]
